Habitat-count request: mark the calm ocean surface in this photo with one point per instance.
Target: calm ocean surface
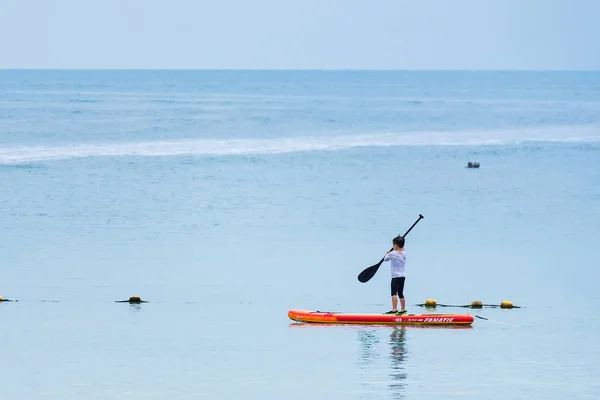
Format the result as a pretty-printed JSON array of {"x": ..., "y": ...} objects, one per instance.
[{"x": 227, "y": 198}]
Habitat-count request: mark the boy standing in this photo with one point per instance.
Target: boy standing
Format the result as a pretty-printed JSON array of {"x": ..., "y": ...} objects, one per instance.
[{"x": 397, "y": 256}]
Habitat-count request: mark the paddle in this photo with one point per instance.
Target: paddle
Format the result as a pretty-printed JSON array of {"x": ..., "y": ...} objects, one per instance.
[{"x": 370, "y": 272}]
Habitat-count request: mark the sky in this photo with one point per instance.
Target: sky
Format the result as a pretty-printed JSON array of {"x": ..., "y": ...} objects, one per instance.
[{"x": 306, "y": 34}]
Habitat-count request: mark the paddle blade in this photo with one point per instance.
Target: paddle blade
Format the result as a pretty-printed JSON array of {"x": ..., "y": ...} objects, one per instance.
[{"x": 368, "y": 273}]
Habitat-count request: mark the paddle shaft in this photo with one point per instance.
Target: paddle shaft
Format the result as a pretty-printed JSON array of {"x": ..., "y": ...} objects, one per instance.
[
  {"x": 405, "y": 233},
  {"x": 413, "y": 225}
]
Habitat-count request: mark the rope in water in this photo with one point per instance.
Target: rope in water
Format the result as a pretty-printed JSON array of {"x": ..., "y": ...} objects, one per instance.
[
  {"x": 133, "y": 300},
  {"x": 474, "y": 304},
  {"x": 498, "y": 322},
  {"x": 465, "y": 306},
  {"x": 430, "y": 303}
]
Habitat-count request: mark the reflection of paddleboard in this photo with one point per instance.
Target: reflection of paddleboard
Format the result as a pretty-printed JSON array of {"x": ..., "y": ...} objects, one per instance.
[{"x": 392, "y": 319}]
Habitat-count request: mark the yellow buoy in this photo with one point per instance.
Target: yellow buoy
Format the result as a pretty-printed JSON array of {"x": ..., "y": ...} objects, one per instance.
[
  {"x": 430, "y": 303},
  {"x": 135, "y": 299},
  {"x": 1, "y": 299},
  {"x": 506, "y": 304},
  {"x": 476, "y": 304}
]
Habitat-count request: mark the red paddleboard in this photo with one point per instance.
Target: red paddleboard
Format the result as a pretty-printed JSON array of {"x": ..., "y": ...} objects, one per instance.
[{"x": 390, "y": 319}]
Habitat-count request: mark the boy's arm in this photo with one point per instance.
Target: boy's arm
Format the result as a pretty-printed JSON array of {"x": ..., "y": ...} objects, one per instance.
[{"x": 387, "y": 256}]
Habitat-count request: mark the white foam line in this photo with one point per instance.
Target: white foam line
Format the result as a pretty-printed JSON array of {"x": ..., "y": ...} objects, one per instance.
[{"x": 27, "y": 154}]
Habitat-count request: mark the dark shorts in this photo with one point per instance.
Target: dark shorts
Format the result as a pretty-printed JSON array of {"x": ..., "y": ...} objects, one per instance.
[{"x": 398, "y": 287}]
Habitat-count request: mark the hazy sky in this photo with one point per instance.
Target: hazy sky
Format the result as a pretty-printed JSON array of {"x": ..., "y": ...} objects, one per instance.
[{"x": 316, "y": 34}]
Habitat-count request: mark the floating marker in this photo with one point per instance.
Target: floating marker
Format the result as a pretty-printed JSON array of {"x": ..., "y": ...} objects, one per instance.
[
  {"x": 430, "y": 303},
  {"x": 476, "y": 304},
  {"x": 506, "y": 304}
]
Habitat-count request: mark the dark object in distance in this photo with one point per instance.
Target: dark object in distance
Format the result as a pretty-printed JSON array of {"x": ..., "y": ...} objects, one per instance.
[{"x": 132, "y": 300}]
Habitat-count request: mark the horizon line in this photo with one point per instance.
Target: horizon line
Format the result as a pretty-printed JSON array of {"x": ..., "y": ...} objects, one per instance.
[{"x": 300, "y": 69}]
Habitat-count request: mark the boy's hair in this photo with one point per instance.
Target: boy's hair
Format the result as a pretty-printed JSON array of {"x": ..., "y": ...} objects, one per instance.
[{"x": 398, "y": 241}]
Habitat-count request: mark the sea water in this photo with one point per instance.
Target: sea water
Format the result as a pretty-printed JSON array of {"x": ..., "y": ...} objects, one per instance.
[{"x": 227, "y": 198}]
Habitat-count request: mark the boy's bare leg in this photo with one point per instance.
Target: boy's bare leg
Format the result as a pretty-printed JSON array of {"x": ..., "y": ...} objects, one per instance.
[
  {"x": 394, "y": 303},
  {"x": 402, "y": 304}
]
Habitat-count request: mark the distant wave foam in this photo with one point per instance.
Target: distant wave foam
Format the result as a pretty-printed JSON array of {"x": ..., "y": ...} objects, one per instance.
[{"x": 26, "y": 154}]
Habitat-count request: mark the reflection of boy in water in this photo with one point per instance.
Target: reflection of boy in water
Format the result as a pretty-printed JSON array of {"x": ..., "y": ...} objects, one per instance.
[
  {"x": 369, "y": 360},
  {"x": 397, "y": 339},
  {"x": 397, "y": 256},
  {"x": 398, "y": 360}
]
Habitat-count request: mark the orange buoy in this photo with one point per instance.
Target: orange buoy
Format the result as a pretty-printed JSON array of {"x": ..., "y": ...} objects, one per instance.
[
  {"x": 506, "y": 304},
  {"x": 430, "y": 303}
]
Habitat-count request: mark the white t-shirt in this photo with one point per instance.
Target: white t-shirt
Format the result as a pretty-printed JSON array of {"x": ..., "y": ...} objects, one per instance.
[{"x": 398, "y": 262}]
